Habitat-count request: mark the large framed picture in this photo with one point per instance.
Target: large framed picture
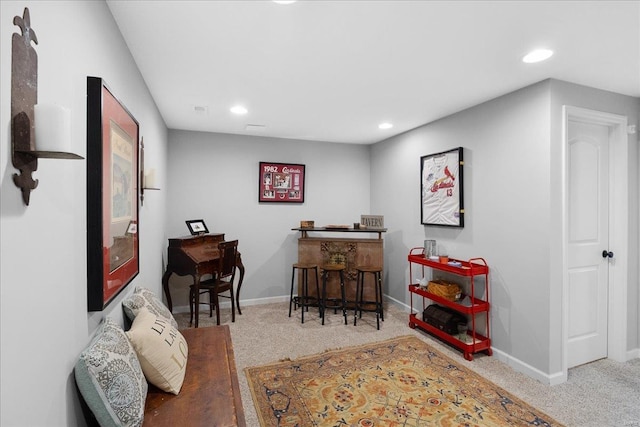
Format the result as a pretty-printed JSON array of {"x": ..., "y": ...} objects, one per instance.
[
  {"x": 112, "y": 195},
  {"x": 281, "y": 182},
  {"x": 441, "y": 189}
]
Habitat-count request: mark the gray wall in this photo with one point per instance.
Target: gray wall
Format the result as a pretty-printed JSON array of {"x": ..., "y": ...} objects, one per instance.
[
  {"x": 507, "y": 214},
  {"x": 513, "y": 218},
  {"x": 215, "y": 177},
  {"x": 510, "y": 172},
  {"x": 563, "y": 93},
  {"x": 44, "y": 322}
]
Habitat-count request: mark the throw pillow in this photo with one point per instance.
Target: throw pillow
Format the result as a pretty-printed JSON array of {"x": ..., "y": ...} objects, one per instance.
[
  {"x": 143, "y": 297},
  {"x": 161, "y": 349},
  {"x": 110, "y": 379}
]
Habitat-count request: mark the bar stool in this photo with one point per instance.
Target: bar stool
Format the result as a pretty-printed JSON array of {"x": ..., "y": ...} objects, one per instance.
[
  {"x": 304, "y": 300},
  {"x": 337, "y": 302},
  {"x": 360, "y": 302}
]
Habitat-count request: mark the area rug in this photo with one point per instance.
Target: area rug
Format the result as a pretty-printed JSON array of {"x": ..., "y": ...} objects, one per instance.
[{"x": 398, "y": 382}]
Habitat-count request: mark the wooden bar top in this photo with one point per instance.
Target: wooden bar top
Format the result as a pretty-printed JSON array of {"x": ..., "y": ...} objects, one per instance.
[
  {"x": 210, "y": 394},
  {"x": 345, "y": 229}
]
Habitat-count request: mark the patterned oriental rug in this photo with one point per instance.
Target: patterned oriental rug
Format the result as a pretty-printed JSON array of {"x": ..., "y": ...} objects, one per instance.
[{"x": 399, "y": 382}]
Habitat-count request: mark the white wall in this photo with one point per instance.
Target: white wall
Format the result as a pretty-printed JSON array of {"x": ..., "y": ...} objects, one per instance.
[
  {"x": 506, "y": 182},
  {"x": 44, "y": 323},
  {"x": 215, "y": 177},
  {"x": 512, "y": 204},
  {"x": 564, "y": 93},
  {"x": 510, "y": 146}
]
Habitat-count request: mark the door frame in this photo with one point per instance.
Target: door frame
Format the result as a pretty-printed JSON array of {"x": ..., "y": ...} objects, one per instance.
[{"x": 618, "y": 229}]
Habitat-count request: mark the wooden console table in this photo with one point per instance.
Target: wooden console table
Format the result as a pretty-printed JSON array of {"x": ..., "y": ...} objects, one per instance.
[{"x": 325, "y": 248}]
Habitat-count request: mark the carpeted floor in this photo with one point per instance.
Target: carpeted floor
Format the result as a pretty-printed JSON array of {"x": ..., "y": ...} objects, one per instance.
[
  {"x": 398, "y": 382},
  {"x": 603, "y": 393}
]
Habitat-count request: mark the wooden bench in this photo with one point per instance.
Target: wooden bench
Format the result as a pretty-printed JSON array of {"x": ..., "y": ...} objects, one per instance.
[{"x": 210, "y": 394}]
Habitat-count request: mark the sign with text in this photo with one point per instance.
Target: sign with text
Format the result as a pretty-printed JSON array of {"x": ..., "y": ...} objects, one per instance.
[{"x": 372, "y": 221}]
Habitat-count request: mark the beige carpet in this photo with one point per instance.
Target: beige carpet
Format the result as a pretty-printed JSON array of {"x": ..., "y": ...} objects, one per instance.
[{"x": 603, "y": 393}]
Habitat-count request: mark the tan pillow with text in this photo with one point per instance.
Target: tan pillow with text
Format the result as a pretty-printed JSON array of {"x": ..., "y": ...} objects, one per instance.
[{"x": 161, "y": 349}]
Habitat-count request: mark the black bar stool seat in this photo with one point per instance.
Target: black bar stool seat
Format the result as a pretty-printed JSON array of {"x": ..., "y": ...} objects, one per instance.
[
  {"x": 304, "y": 300},
  {"x": 336, "y": 303},
  {"x": 371, "y": 306}
]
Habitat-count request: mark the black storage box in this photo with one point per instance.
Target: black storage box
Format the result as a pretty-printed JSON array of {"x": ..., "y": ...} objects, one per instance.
[{"x": 444, "y": 318}]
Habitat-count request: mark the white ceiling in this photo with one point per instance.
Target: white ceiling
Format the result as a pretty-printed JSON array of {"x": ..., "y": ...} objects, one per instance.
[{"x": 334, "y": 70}]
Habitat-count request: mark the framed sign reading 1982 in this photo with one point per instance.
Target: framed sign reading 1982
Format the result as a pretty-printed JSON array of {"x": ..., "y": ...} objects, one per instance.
[{"x": 281, "y": 183}]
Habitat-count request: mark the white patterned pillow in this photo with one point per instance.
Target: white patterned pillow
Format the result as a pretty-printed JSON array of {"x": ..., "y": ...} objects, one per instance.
[
  {"x": 110, "y": 378},
  {"x": 143, "y": 297}
]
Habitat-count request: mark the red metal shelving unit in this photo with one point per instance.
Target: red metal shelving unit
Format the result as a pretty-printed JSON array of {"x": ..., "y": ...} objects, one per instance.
[{"x": 470, "y": 269}]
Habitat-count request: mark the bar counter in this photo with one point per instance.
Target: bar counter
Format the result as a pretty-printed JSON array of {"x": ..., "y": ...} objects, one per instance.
[{"x": 329, "y": 245}]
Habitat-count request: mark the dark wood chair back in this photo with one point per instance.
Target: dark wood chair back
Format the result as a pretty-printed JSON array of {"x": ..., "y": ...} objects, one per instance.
[{"x": 228, "y": 255}]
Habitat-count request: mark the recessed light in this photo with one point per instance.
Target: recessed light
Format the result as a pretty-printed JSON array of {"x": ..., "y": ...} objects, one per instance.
[
  {"x": 537, "y": 56},
  {"x": 385, "y": 125},
  {"x": 238, "y": 109},
  {"x": 284, "y": 1}
]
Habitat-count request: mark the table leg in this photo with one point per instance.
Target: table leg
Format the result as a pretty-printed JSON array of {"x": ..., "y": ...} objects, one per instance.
[
  {"x": 165, "y": 286},
  {"x": 196, "y": 289},
  {"x": 241, "y": 268}
]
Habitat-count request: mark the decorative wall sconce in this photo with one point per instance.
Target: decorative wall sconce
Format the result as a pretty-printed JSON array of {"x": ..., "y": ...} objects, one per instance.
[
  {"x": 48, "y": 124},
  {"x": 148, "y": 178}
]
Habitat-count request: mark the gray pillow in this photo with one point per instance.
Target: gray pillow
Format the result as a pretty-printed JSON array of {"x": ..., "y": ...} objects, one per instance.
[
  {"x": 143, "y": 297},
  {"x": 110, "y": 379}
]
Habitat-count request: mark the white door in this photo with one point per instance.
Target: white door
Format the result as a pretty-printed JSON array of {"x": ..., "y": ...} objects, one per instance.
[{"x": 588, "y": 265}]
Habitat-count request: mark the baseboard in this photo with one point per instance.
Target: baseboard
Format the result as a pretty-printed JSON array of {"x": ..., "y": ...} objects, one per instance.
[
  {"x": 520, "y": 366},
  {"x": 633, "y": 354},
  {"x": 398, "y": 303},
  {"x": 515, "y": 364},
  {"x": 271, "y": 300},
  {"x": 243, "y": 303}
]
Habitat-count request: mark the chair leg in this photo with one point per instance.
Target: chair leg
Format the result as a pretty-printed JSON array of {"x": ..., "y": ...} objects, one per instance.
[
  {"x": 302, "y": 299},
  {"x": 317, "y": 290},
  {"x": 358, "y": 299},
  {"x": 217, "y": 307},
  {"x": 323, "y": 300},
  {"x": 378, "y": 299},
  {"x": 210, "y": 303},
  {"x": 381, "y": 301},
  {"x": 233, "y": 305},
  {"x": 293, "y": 272},
  {"x": 191, "y": 302},
  {"x": 344, "y": 297}
]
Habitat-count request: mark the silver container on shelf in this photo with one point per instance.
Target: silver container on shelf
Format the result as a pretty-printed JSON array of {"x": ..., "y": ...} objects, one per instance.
[{"x": 430, "y": 248}]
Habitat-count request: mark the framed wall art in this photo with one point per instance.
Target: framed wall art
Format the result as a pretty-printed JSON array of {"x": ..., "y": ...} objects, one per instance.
[
  {"x": 197, "y": 226},
  {"x": 281, "y": 182},
  {"x": 441, "y": 189},
  {"x": 112, "y": 195}
]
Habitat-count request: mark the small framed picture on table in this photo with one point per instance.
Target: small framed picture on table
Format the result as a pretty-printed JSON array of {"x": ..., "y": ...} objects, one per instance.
[{"x": 197, "y": 226}]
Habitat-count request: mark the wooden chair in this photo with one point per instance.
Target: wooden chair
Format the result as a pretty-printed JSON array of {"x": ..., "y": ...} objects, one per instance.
[{"x": 221, "y": 282}]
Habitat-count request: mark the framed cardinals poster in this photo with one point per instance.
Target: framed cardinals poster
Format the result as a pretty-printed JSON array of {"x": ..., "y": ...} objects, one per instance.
[
  {"x": 441, "y": 188},
  {"x": 281, "y": 183}
]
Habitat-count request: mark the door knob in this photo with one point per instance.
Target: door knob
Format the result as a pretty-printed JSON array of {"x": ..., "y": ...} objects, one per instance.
[{"x": 607, "y": 254}]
